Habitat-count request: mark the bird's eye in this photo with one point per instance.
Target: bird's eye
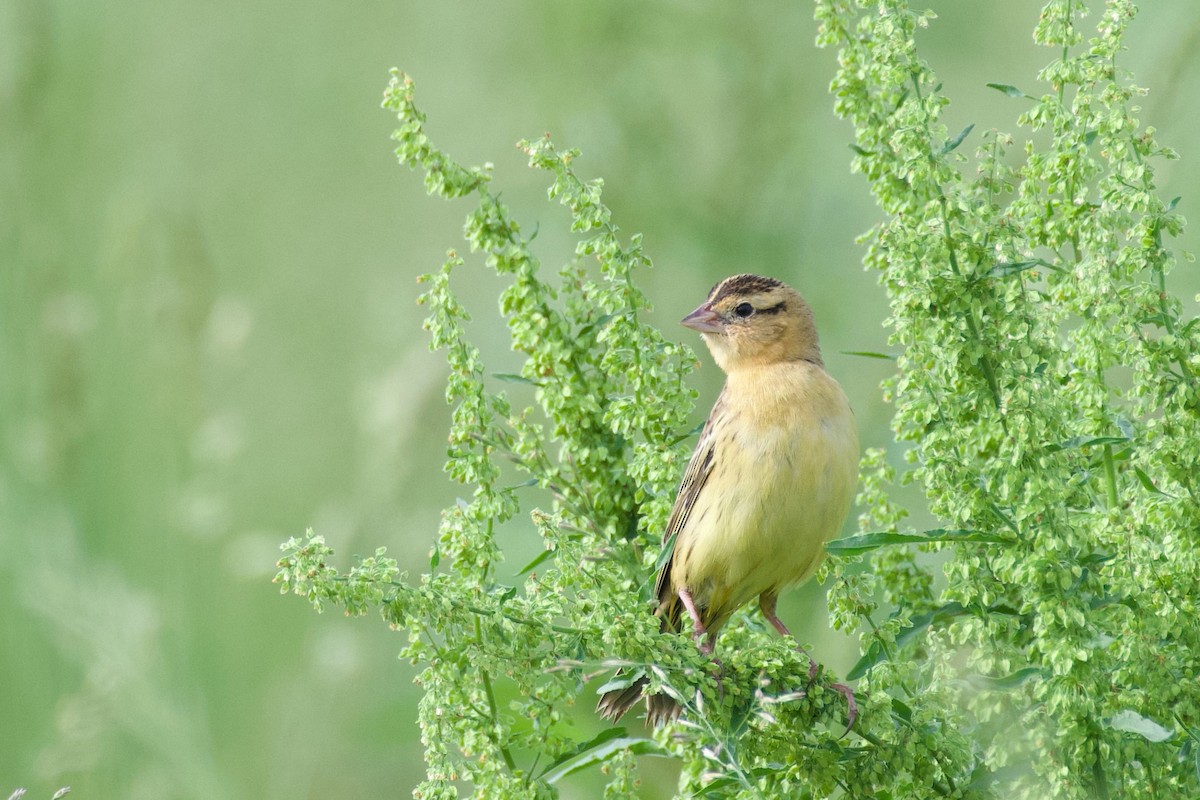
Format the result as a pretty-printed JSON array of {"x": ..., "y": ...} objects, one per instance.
[{"x": 744, "y": 310}]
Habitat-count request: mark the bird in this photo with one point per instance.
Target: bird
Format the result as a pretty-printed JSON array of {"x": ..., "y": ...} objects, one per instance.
[{"x": 771, "y": 479}]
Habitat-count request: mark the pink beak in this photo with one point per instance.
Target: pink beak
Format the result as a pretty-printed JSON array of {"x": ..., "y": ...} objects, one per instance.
[{"x": 704, "y": 319}]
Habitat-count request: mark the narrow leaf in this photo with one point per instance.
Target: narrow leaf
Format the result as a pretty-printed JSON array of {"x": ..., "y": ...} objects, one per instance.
[
  {"x": 512, "y": 377},
  {"x": 721, "y": 782},
  {"x": 1007, "y": 268},
  {"x": 667, "y": 551},
  {"x": 687, "y": 435},
  {"x": 1011, "y": 268},
  {"x": 538, "y": 559},
  {"x": 604, "y": 736},
  {"x": 854, "y": 545},
  {"x": 953, "y": 144},
  {"x": 1144, "y": 479},
  {"x": 599, "y": 753},
  {"x": 1085, "y": 441},
  {"x": 600, "y": 322},
  {"x": 622, "y": 680},
  {"x": 1009, "y": 90},
  {"x": 918, "y": 625},
  {"x": 1006, "y": 682},
  {"x": 869, "y": 354}
]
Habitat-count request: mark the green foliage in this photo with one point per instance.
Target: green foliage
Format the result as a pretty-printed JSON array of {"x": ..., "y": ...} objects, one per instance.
[{"x": 1046, "y": 389}]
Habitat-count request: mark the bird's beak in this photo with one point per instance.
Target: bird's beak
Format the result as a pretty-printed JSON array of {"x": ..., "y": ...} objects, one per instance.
[{"x": 703, "y": 319}]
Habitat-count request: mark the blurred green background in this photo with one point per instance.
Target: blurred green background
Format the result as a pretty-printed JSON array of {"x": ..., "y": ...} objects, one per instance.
[{"x": 208, "y": 338}]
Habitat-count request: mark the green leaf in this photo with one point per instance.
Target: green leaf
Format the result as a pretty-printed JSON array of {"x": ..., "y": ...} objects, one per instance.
[
  {"x": 1010, "y": 90},
  {"x": 952, "y": 145},
  {"x": 687, "y": 435},
  {"x": 1085, "y": 441},
  {"x": 538, "y": 559},
  {"x": 722, "y": 782},
  {"x": 512, "y": 377},
  {"x": 1133, "y": 722},
  {"x": 854, "y": 545},
  {"x": 917, "y": 625},
  {"x": 607, "y": 735},
  {"x": 1006, "y": 268},
  {"x": 1010, "y": 268},
  {"x": 600, "y": 322},
  {"x": 622, "y": 680},
  {"x": 869, "y": 354},
  {"x": 665, "y": 555},
  {"x": 1148, "y": 484},
  {"x": 599, "y": 750},
  {"x": 987, "y": 682},
  {"x": 1092, "y": 559}
]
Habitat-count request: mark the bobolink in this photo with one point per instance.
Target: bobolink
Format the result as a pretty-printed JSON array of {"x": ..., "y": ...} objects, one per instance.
[{"x": 771, "y": 479}]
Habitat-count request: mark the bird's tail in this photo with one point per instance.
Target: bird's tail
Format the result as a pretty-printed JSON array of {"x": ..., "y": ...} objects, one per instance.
[
  {"x": 613, "y": 705},
  {"x": 660, "y": 708}
]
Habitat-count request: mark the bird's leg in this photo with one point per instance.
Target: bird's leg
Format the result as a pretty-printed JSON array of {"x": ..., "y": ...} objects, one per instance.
[
  {"x": 699, "y": 632},
  {"x": 766, "y": 602},
  {"x": 703, "y": 639}
]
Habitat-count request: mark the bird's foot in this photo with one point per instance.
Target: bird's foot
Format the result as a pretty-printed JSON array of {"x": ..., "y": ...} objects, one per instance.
[
  {"x": 845, "y": 691},
  {"x": 720, "y": 678},
  {"x": 851, "y": 706}
]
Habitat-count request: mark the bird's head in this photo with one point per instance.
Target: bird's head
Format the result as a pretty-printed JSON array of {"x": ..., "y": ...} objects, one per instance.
[{"x": 749, "y": 320}]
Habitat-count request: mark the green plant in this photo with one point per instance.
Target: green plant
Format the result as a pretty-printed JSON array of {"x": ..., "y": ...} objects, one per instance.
[{"x": 1047, "y": 393}]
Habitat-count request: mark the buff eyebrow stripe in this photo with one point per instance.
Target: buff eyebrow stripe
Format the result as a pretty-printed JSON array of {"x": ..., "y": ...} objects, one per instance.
[{"x": 775, "y": 309}]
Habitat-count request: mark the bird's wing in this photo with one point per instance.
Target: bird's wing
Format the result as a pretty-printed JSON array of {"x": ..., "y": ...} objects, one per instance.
[{"x": 694, "y": 478}]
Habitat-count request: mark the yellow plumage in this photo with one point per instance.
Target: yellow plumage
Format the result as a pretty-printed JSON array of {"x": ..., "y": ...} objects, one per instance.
[
  {"x": 781, "y": 483},
  {"x": 772, "y": 476}
]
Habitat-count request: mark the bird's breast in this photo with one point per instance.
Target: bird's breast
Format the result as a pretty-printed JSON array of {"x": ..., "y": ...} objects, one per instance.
[{"x": 785, "y": 466}]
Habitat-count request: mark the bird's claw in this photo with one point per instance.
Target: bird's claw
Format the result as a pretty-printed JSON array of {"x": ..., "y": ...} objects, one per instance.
[
  {"x": 720, "y": 678},
  {"x": 845, "y": 691},
  {"x": 851, "y": 706}
]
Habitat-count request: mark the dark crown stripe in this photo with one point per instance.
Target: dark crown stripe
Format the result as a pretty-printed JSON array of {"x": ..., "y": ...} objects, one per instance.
[{"x": 742, "y": 284}]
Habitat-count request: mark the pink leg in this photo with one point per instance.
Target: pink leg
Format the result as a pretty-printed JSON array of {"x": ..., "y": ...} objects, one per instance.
[
  {"x": 699, "y": 632},
  {"x": 766, "y": 602}
]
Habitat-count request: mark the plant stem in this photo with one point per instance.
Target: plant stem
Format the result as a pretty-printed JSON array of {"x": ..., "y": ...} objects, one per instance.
[
  {"x": 491, "y": 698},
  {"x": 1110, "y": 477},
  {"x": 985, "y": 363}
]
